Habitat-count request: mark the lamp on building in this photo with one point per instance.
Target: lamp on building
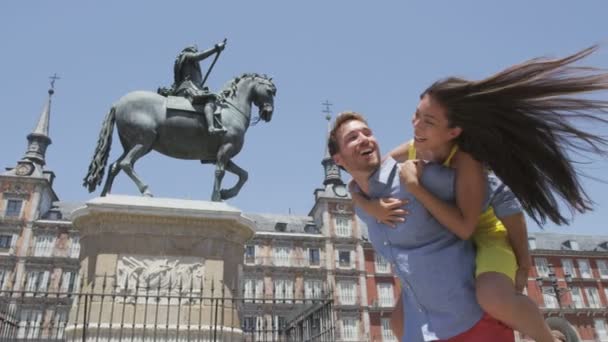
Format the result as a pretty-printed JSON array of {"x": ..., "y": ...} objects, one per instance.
[{"x": 555, "y": 290}]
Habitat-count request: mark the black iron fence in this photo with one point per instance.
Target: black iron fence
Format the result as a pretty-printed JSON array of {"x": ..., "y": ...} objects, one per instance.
[{"x": 163, "y": 311}]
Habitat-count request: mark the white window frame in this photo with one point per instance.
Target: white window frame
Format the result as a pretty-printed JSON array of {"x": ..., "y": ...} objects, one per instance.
[
  {"x": 309, "y": 259},
  {"x": 37, "y": 281},
  {"x": 350, "y": 331},
  {"x": 60, "y": 320},
  {"x": 6, "y": 203},
  {"x": 381, "y": 264},
  {"x": 585, "y": 270},
  {"x": 549, "y": 299},
  {"x": 343, "y": 226},
  {"x": 542, "y": 267},
  {"x": 68, "y": 279},
  {"x": 602, "y": 268},
  {"x": 246, "y": 259},
  {"x": 313, "y": 288},
  {"x": 44, "y": 244},
  {"x": 280, "y": 255},
  {"x": 386, "y": 331},
  {"x": 568, "y": 267},
  {"x": 577, "y": 297},
  {"x": 593, "y": 297},
  {"x": 283, "y": 288},
  {"x": 253, "y": 288},
  {"x": 531, "y": 243},
  {"x": 350, "y": 258},
  {"x": 4, "y": 275},
  {"x": 601, "y": 330},
  {"x": 347, "y": 292},
  {"x": 386, "y": 295},
  {"x": 74, "y": 247},
  {"x": 30, "y": 322}
]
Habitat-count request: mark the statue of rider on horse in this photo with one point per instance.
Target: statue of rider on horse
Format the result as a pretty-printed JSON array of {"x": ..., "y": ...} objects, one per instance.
[
  {"x": 170, "y": 122},
  {"x": 188, "y": 82}
]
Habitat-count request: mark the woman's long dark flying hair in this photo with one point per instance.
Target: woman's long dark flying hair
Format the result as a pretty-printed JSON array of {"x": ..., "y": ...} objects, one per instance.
[{"x": 520, "y": 122}]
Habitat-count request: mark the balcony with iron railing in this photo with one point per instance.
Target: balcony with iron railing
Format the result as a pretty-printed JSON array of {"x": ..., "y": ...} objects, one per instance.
[{"x": 284, "y": 262}]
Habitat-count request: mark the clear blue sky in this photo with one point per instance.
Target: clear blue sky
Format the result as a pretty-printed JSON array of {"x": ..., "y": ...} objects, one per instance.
[{"x": 373, "y": 57}]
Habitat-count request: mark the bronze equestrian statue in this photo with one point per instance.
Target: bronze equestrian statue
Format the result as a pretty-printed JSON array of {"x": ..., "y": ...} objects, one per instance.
[{"x": 172, "y": 125}]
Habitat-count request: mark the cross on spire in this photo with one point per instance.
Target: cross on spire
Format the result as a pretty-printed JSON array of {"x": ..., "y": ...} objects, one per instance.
[
  {"x": 327, "y": 109},
  {"x": 53, "y": 79}
]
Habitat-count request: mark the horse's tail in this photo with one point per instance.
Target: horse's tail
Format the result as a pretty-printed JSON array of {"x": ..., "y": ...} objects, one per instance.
[{"x": 102, "y": 152}]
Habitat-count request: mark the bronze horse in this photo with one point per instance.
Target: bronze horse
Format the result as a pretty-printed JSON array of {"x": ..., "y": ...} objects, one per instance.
[{"x": 144, "y": 123}]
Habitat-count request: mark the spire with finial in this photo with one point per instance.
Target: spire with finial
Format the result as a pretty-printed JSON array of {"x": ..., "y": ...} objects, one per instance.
[
  {"x": 332, "y": 171},
  {"x": 39, "y": 139}
]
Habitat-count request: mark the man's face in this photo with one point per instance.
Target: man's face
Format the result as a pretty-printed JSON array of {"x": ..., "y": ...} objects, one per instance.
[{"x": 358, "y": 148}]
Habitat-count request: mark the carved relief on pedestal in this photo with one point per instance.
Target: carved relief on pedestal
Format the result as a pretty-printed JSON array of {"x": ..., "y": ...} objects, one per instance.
[{"x": 164, "y": 273}]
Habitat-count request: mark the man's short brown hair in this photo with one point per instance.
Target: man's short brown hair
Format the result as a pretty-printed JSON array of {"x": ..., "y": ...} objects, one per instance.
[{"x": 332, "y": 142}]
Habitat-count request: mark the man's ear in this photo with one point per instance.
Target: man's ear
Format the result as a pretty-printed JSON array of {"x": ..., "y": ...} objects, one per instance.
[
  {"x": 455, "y": 132},
  {"x": 337, "y": 159}
]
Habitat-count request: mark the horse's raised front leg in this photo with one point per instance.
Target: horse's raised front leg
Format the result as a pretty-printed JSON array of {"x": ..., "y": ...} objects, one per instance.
[
  {"x": 129, "y": 160},
  {"x": 217, "y": 184},
  {"x": 243, "y": 176}
]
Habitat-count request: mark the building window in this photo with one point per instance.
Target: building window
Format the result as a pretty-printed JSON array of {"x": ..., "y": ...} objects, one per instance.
[
  {"x": 346, "y": 292},
  {"x": 577, "y": 298},
  {"x": 280, "y": 256},
  {"x": 386, "y": 298},
  {"x": 349, "y": 329},
  {"x": 387, "y": 332},
  {"x": 572, "y": 245},
  {"x": 532, "y": 243},
  {"x": 382, "y": 266},
  {"x": 602, "y": 268},
  {"x": 29, "y": 324},
  {"x": 583, "y": 267},
  {"x": 568, "y": 267},
  {"x": 44, "y": 245},
  {"x": 37, "y": 281},
  {"x": 343, "y": 227},
  {"x": 313, "y": 289},
  {"x": 13, "y": 208},
  {"x": 283, "y": 289},
  {"x": 314, "y": 257},
  {"x": 542, "y": 267},
  {"x": 68, "y": 281},
  {"x": 253, "y": 289},
  {"x": 593, "y": 297},
  {"x": 5, "y": 241},
  {"x": 60, "y": 321},
  {"x": 600, "y": 329},
  {"x": 250, "y": 254},
  {"x": 4, "y": 273},
  {"x": 249, "y": 323},
  {"x": 344, "y": 259},
  {"x": 549, "y": 298},
  {"x": 75, "y": 247}
]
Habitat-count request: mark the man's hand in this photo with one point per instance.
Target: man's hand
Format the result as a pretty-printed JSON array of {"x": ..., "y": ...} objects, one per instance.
[
  {"x": 220, "y": 46},
  {"x": 521, "y": 279},
  {"x": 410, "y": 173}
]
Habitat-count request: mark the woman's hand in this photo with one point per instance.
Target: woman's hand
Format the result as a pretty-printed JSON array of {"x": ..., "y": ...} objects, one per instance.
[
  {"x": 410, "y": 172},
  {"x": 521, "y": 279},
  {"x": 389, "y": 210}
]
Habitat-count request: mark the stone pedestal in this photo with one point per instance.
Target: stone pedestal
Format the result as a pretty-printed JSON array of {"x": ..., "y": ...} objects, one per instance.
[{"x": 155, "y": 268}]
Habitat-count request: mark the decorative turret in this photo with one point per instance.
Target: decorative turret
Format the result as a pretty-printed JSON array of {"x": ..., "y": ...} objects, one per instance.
[{"x": 332, "y": 171}]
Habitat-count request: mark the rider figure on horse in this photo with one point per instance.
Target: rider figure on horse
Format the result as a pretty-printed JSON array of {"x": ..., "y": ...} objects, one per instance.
[{"x": 188, "y": 82}]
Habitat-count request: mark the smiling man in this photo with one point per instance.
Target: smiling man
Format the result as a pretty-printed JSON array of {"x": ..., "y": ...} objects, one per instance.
[{"x": 436, "y": 267}]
